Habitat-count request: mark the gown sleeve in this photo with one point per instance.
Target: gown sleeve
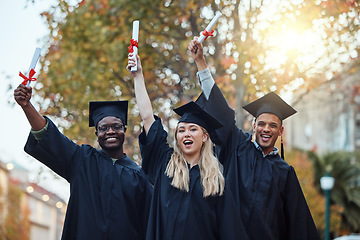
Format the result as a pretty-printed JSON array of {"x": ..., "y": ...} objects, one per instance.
[
  {"x": 54, "y": 150},
  {"x": 228, "y": 137},
  {"x": 216, "y": 105},
  {"x": 300, "y": 224},
  {"x": 155, "y": 151}
]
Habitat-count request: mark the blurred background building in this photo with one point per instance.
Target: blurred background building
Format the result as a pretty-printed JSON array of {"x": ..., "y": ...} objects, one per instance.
[
  {"x": 328, "y": 117},
  {"x": 27, "y": 210}
]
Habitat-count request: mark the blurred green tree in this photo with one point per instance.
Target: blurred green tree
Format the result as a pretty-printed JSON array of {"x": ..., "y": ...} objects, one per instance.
[
  {"x": 314, "y": 198},
  {"x": 345, "y": 168}
]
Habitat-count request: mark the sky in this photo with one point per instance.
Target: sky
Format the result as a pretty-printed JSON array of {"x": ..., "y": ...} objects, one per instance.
[{"x": 22, "y": 30}]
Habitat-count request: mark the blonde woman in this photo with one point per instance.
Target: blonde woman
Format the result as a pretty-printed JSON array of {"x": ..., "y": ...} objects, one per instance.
[{"x": 189, "y": 200}]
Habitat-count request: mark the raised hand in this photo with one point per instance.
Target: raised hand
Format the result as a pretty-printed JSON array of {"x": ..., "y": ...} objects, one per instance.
[
  {"x": 142, "y": 97},
  {"x": 22, "y": 95},
  {"x": 131, "y": 63},
  {"x": 196, "y": 50}
]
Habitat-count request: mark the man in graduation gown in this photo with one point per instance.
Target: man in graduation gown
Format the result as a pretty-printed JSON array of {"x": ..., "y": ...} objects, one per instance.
[
  {"x": 109, "y": 193},
  {"x": 268, "y": 194}
]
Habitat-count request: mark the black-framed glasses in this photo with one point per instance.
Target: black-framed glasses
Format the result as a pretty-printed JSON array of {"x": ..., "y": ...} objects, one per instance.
[{"x": 116, "y": 127}]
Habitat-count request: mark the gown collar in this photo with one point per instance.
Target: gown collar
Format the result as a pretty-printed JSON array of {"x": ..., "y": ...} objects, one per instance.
[{"x": 272, "y": 153}]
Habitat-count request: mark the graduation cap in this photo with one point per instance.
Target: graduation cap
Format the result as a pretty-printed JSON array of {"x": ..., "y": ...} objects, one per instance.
[
  {"x": 100, "y": 109},
  {"x": 270, "y": 103},
  {"x": 193, "y": 113}
]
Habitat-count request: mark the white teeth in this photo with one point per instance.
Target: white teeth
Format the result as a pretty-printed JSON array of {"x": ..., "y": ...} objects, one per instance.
[
  {"x": 111, "y": 139},
  {"x": 186, "y": 142}
]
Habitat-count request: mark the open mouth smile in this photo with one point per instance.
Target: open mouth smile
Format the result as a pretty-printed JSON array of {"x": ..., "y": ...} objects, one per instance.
[
  {"x": 188, "y": 143},
  {"x": 265, "y": 137}
]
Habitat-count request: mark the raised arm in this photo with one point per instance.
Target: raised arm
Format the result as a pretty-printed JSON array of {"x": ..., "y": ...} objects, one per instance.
[
  {"x": 211, "y": 98},
  {"x": 52, "y": 149},
  {"x": 196, "y": 51},
  {"x": 142, "y": 97},
  {"x": 22, "y": 96}
]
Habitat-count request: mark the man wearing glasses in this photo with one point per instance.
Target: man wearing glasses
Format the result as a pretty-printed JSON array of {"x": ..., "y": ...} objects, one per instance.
[{"x": 109, "y": 193}]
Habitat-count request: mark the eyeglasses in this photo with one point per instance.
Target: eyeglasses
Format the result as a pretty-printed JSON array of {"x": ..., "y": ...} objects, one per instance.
[{"x": 116, "y": 127}]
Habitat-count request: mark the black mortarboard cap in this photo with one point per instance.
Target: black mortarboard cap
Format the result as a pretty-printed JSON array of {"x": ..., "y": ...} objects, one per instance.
[
  {"x": 270, "y": 103},
  {"x": 100, "y": 109},
  {"x": 193, "y": 113}
]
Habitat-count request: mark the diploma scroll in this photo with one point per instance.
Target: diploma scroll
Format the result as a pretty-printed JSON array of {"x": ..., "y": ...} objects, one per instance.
[
  {"x": 30, "y": 74},
  {"x": 135, "y": 37},
  {"x": 33, "y": 63},
  {"x": 202, "y": 37}
]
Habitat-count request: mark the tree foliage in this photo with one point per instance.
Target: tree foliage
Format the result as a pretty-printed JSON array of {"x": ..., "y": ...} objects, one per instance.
[
  {"x": 253, "y": 52},
  {"x": 339, "y": 25},
  {"x": 87, "y": 54}
]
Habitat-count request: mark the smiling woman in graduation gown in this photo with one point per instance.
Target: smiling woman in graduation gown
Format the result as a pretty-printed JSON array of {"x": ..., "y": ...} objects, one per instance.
[
  {"x": 184, "y": 213},
  {"x": 109, "y": 196},
  {"x": 177, "y": 214},
  {"x": 266, "y": 189}
]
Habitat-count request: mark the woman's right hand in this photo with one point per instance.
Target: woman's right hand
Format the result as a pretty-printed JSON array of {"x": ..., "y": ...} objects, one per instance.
[{"x": 131, "y": 63}]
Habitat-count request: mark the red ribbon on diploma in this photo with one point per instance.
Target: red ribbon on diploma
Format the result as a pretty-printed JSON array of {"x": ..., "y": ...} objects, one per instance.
[
  {"x": 26, "y": 79},
  {"x": 208, "y": 34},
  {"x": 133, "y": 44}
]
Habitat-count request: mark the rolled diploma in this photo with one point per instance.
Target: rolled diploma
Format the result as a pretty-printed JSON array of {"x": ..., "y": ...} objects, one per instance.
[
  {"x": 33, "y": 63},
  {"x": 210, "y": 26},
  {"x": 135, "y": 36}
]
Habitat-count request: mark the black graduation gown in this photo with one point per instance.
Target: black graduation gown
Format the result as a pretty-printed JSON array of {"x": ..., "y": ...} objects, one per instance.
[
  {"x": 266, "y": 189},
  {"x": 107, "y": 200},
  {"x": 181, "y": 215}
]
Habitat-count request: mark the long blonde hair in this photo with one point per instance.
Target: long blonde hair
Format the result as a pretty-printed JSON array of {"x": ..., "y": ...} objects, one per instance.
[{"x": 212, "y": 179}]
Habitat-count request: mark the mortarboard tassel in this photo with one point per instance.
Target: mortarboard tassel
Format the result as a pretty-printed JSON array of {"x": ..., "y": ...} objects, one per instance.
[{"x": 282, "y": 149}]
